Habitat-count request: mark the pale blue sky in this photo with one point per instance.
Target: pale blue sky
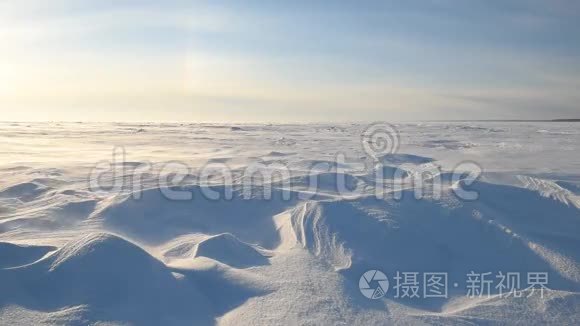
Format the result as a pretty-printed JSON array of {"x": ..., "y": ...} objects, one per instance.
[{"x": 293, "y": 61}]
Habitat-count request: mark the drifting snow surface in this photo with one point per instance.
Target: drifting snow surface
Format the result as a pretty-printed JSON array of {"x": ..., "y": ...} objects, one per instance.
[{"x": 73, "y": 255}]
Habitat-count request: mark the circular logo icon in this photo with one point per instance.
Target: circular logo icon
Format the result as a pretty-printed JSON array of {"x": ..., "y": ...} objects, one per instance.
[
  {"x": 380, "y": 139},
  {"x": 373, "y": 284}
]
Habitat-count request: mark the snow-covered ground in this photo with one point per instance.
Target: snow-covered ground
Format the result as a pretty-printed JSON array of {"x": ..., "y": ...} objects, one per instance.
[{"x": 163, "y": 224}]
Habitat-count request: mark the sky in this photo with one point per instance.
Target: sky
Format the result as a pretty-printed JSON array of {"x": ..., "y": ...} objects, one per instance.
[{"x": 291, "y": 61}]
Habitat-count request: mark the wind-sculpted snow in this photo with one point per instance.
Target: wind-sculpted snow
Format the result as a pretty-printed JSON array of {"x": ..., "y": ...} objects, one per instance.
[
  {"x": 433, "y": 235},
  {"x": 16, "y": 255},
  {"x": 117, "y": 280},
  {"x": 228, "y": 249},
  {"x": 112, "y": 279},
  {"x": 120, "y": 223},
  {"x": 23, "y": 191},
  {"x": 224, "y": 248},
  {"x": 155, "y": 218}
]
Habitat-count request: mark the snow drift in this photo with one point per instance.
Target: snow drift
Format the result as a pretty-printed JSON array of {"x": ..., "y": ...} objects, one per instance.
[{"x": 229, "y": 255}]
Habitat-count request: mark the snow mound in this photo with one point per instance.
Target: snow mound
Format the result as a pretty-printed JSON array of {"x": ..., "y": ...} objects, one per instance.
[
  {"x": 94, "y": 251},
  {"x": 114, "y": 278},
  {"x": 398, "y": 159},
  {"x": 227, "y": 249},
  {"x": 556, "y": 307},
  {"x": 154, "y": 218},
  {"x": 279, "y": 154},
  {"x": 26, "y": 191},
  {"x": 495, "y": 233},
  {"x": 16, "y": 255},
  {"x": 182, "y": 247},
  {"x": 52, "y": 216}
]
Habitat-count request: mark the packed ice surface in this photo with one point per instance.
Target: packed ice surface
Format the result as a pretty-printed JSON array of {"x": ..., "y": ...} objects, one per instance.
[{"x": 118, "y": 223}]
